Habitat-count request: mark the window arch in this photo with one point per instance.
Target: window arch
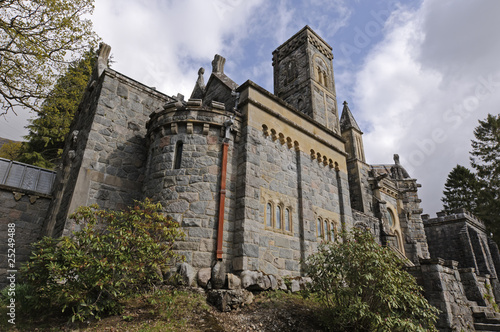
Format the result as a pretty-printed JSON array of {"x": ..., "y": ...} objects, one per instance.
[
  {"x": 269, "y": 215},
  {"x": 288, "y": 220},
  {"x": 325, "y": 229},
  {"x": 278, "y": 219},
  {"x": 319, "y": 227}
]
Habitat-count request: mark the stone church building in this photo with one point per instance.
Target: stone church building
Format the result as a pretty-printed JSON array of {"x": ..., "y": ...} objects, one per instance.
[{"x": 256, "y": 179}]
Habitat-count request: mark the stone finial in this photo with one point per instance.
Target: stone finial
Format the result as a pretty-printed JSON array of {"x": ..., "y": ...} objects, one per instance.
[
  {"x": 396, "y": 159},
  {"x": 201, "y": 80},
  {"x": 199, "y": 87},
  {"x": 102, "y": 58},
  {"x": 218, "y": 64}
]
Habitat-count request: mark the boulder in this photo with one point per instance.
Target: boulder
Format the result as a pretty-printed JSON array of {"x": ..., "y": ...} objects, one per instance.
[
  {"x": 294, "y": 285},
  {"x": 187, "y": 274},
  {"x": 229, "y": 299},
  {"x": 281, "y": 284},
  {"x": 274, "y": 282},
  {"x": 233, "y": 281},
  {"x": 254, "y": 280},
  {"x": 204, "y": 275},
  {"x": 218, "y": 276},
  {"x": 305, "y": 282}
]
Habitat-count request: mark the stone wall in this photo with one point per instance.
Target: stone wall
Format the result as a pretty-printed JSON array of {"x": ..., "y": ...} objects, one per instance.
[
  {"x": 27, "y": 211},
  {"x": 443, "y": 289},
  {"x": 283, "y": 164},
  {"x": 105, "y": 162},
  {"x": 269, "y": 170}
]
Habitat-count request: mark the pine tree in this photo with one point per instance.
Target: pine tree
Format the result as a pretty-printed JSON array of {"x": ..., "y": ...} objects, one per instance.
[
  {"x": 48, "y": 131},
  {"x": 486, "y": 161},
  {"x": 460, "y": 190}
]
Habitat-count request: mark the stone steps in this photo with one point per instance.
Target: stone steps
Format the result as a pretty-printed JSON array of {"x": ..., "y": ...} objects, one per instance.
[
  {"x": 485, "y": 327},
  {"x": 485, "y": 320}
]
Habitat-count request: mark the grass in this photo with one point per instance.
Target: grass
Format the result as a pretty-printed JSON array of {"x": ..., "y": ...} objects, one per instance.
[{"x": 172, "y": 309}]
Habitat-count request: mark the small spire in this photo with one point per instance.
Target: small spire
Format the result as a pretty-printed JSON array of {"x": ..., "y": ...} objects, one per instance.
[{"x": 347, "y": 120}]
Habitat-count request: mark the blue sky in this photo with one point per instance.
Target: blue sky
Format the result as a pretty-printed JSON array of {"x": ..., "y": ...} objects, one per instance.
[{"x": 417, "y": 74}]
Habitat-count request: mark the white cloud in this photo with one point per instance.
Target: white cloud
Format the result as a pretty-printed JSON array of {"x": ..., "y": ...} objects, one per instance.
[
  {"x": 423, "y": 88},
  {"x": 162, "y": 43}
]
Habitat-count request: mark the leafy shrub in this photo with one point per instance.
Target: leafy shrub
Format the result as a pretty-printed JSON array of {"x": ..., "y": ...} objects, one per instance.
[
  {"x": 364, "y": 287},
  {"x": 116, "y": 253}
]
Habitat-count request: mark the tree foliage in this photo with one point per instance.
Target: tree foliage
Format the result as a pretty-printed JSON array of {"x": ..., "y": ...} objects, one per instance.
[
  {"x": 11, "y": 150},
  {"x": 37, "y": 40},
  {"x": 116, "y": 253},
  {"x": 45, "y": 141},
  {"x": 460, "y": 190},
  {"x": 365, "y": 288},
  {"x": 485, "y": 158}
]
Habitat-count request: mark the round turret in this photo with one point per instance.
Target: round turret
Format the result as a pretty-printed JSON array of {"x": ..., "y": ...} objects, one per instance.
[{"x": 185, "y": 159}]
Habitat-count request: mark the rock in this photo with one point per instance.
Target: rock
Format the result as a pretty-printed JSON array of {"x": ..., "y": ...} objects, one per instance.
[
  {"x": 254, "y": 280},
  {"x": 204, "y": 275},
  {"x": 274, "y": 282},
  {"x": 218, "y": 279},
  {"x": 305, "y": 282},
  {"x": 233, "y": 281},
  {"x": 187, "y": 274},
  {"x": 281, "y": 284},
  {"x": 226, "y": 300},
  {"x": 294, "y": 286},
  {"x": 171, "y": 276}
]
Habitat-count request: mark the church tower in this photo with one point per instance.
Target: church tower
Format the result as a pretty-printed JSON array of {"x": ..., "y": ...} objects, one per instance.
[{"x": 303, "y": 77}]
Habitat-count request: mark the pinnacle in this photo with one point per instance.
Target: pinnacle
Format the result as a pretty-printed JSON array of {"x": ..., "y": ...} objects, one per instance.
[{"x": 347, "y": 120}]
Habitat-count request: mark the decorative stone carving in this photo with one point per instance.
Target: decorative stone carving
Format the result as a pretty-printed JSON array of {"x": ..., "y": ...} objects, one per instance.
[
  {"x": 17, "y": 195},
  {"x": 206, "y": 128},
  {"x": 33, "y": 198},
  {"x": 102, "y": 58},
  {"x": 228, "y": 125}
]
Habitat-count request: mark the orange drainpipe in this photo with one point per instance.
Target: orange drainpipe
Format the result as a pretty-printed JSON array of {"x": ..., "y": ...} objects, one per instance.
[{"x": 222, "y": 199}]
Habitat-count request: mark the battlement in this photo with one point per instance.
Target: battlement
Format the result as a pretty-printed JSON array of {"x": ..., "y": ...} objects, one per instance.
[{"x": 458, "y": 215}]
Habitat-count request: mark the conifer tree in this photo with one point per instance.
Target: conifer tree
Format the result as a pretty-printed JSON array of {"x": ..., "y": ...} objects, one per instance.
[
  {"x": 460, "y": 190},
  {"x": 48, "y": 131},
  {"x": 486, "y": 161}
]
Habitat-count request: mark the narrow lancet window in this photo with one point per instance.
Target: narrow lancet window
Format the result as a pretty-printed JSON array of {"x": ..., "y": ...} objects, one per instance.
[
  {"x": 269, "y": 216},
  {"x": 178, "y": 155},
  {"x": 278, "y": 217},
  {"x": 288, "y": 220}
]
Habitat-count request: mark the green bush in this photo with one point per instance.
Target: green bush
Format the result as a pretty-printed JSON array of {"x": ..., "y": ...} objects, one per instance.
[
  {"x": 364, "y": 287},
  {"x": 116, "y": 253}
]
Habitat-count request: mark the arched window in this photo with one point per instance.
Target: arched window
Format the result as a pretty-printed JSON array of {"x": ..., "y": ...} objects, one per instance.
[
  {"x": 269, "y": 215},
  {"x": 288, "y": 220},
  {"x": 318, "y": 226},
  {"x": 329, "y": 231},
  {"x": 178, "y": 154},
  {"x": 278, "y": 217},
  {"x": 325, "y": 229},
  {"x": 390, "y": 218}
]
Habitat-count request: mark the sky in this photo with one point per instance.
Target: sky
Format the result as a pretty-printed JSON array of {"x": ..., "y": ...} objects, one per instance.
[{"x": 417, "y": 74}]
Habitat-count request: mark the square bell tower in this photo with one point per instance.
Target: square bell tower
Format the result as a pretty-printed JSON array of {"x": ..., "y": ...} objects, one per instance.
[{"x": 303, "y": 77}]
